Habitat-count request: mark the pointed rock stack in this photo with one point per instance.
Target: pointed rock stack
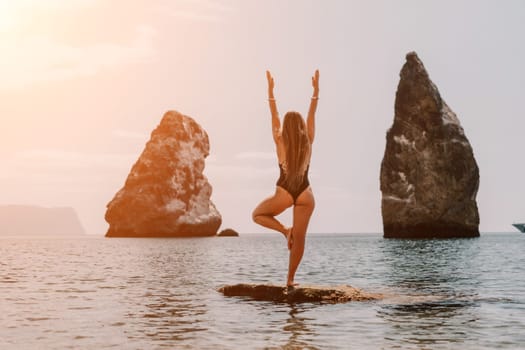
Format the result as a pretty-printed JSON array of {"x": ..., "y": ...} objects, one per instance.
[
  {"x": 166, "y": 193},
  {"x": 429, "y": 177}
]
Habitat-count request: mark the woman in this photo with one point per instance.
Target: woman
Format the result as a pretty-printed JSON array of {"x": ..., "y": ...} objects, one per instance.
[{"x": 294, "y": 145}]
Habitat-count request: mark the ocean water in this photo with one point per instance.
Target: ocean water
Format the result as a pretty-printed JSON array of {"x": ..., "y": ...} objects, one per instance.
[{"x": 96, "y": 293}]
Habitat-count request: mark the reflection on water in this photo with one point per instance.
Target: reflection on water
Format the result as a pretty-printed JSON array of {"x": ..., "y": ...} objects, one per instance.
[
  {"x": 170, "y": 312},
  {"x": 162, "y": 293},
  {"x": 436, "y": 288},
  {"x": 167, "y": 318},
  {"x": 299, "y": 334}
]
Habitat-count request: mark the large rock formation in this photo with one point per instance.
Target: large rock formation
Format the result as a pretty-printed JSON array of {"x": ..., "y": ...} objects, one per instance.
[
  {"x": 166, "y": 193},
  {"x": 301, "y": 294},
  {"x": 29, "y": 220},
  {"x": 429, "y": 177}
]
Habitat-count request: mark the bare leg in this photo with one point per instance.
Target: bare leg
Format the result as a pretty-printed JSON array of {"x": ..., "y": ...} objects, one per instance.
[
  {"x": 266, "y": 211},
  {"x": 302, "y": 211},
  {"x": 289, "y": 238}
]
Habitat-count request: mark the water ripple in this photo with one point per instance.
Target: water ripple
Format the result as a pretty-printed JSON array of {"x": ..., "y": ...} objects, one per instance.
[{"x": 161, "y": 293}]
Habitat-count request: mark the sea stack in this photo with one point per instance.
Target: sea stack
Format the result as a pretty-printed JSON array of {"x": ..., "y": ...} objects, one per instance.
[
  {"x": 429, "y": 177},
  {"x": 166, "y": 193}
]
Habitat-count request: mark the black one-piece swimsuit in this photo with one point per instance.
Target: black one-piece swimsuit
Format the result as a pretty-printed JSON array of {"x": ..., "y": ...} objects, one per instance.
[{"x": 294, "y": 191}]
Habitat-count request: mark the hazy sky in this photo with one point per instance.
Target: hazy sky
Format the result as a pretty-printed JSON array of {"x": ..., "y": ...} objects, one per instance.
[{"x": 84, "y": 82}]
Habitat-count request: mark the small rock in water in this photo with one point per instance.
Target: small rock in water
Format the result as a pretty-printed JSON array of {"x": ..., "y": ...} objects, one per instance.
[
  {"x": 300, "y": 294},
  {"x": 228, "y": 233}
]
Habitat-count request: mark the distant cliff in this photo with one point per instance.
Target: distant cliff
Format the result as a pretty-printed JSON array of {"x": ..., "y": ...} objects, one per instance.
[
  {"x": 166, "y": 193},
  {"x": 25, "y": 220},
  {"x": 429, "y": 177}
]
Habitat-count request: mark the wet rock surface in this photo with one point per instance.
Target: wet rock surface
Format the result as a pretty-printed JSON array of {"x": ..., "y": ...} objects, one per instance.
[
  {"x": 299, "y": 294},
  {"x": 429, "y": 177}
]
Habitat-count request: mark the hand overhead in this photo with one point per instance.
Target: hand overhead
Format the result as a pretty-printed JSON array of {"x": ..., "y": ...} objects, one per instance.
[
  {"x": 310, "y": 120},
  {"x": 315, "y": 83},
  {"x": 270, "y": 83}
]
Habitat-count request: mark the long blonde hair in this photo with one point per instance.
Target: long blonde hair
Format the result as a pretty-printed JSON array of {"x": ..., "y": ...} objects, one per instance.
[{"x": 297, "y": 148}]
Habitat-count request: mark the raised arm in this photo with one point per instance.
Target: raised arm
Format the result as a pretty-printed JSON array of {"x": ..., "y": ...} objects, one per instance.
[
  {"x": 276, "y": 122},
  {"x": 310, "y": 120}
]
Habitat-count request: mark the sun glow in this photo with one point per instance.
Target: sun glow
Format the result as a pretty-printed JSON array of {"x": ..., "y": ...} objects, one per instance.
[
  {"x": 7, "y": 15},
  {"x": 12, "y": 11}
]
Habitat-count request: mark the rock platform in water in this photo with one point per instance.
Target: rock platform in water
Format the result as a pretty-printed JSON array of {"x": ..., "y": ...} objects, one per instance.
[{"x": 299, "y": 294}]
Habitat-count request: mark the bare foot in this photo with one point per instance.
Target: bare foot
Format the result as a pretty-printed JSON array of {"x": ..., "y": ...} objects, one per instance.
[{"x": 291, "y": 284}]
